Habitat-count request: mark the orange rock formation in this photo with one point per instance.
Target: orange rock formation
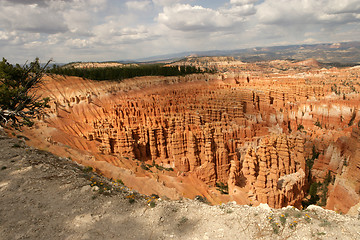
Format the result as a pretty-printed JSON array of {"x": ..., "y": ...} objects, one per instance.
[{"x": 251, "y": 129}]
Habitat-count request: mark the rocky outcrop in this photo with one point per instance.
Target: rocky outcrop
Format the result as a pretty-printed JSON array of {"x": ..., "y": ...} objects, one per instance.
[
  {"x": 274, "y": 173},
  {"x": 343, "y": 162}
]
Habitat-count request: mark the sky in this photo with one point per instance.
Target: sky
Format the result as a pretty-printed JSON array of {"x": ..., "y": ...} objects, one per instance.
[{"x": 107, "y": 30}]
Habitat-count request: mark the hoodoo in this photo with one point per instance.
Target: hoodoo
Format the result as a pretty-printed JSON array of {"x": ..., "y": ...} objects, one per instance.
[{"x": 253, "y": 134}]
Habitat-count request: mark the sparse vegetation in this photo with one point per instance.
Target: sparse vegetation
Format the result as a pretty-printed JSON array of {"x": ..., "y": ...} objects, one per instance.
[
  {"x": 283, "y": 219},
  {"x": 120, "y": 182},
  {"x": 324, "y": 189},
  {"x": 87, "y": 169},
  {"x": 201, "y": 199},
  {"x": 353, "y": 116},
  {"x": 223, "y": 188},
  {"x": 310, "y": 161},
  {"x": 334, "y": 89},
  {"x": 16, "y": 145},
  {"x": 318, "y": 124},
  {"x": 144, "y": 166},
  {"x": 325, "y": 223},
  {"x": 274, "y": 225},
  {"x": 182, "y": 221},
  {"x": 318, "y": 191}
]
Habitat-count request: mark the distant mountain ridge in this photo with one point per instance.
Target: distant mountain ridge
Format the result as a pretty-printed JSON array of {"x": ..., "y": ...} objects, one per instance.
[{"x": 343, "y": 52}]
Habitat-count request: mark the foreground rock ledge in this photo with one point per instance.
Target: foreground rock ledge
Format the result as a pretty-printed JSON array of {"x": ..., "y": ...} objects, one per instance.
[{"x": 46, "y": 197}]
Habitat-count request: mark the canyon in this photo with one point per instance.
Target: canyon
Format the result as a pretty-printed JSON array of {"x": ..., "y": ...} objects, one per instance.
[{"x": 253, "y": 133}]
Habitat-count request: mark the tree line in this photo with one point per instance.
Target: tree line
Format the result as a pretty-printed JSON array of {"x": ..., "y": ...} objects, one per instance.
[{"x": 119, "y": 73}]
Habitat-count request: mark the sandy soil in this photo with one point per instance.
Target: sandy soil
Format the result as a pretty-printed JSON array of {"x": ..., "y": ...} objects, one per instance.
[{"x": 47, "y": 197}]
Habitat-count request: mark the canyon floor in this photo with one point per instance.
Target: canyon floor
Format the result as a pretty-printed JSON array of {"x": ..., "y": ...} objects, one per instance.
[{"x": 47, "y": 197}]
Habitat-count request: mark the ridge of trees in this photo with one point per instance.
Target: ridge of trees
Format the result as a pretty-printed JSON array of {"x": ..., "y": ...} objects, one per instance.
[{"x": 120, "y": 73}]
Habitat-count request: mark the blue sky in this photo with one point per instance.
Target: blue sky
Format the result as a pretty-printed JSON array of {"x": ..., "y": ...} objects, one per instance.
[{"x": 100, "y": 30}]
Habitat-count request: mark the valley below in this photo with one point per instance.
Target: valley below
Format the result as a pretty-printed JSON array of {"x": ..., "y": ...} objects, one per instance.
[{"x": 281, "y": 133}]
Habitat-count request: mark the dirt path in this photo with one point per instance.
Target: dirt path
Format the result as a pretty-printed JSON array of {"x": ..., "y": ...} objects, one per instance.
[{"x": 46, "y": 197}]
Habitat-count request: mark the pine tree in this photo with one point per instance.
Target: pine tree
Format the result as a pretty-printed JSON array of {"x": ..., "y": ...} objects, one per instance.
[{"x": 19, "y": 102}]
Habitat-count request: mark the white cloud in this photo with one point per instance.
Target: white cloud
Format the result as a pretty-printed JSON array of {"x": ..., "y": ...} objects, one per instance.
[
  {"x": 138, "y": 5},
  {"x": 114, "y": 33},
  {"x": 344, "y": 6},
  {"x": 185, "y": 17},
  {"x": 165, "y": 2},
  {"x": 288, "y": 12},
  {"x": 78, "y": 43},
  {"x": 241, "y": 10},
  {"x": 243, "y": 2},
  {"x": 31, "y": 19},
  {"x": 70, "y": 30}
]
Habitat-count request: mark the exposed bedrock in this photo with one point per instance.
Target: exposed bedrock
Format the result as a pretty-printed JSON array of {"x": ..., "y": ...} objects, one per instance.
[{"x": 250, "y": 131}]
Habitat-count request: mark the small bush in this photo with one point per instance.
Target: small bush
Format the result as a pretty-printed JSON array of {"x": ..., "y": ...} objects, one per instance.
[
  {"x": 325, "y": 223},
  {"x": 143, "y": 166},
  {"x": 16, "y": 145},
  {"x": 87, "y": 169},
  {"x": 22, "y": 137},
  {"x": 201, "y": 199},
  {"x": 283, "y": 219},
  {"x": 223, "y": 188},
  {"x": 182, "y": 221},
  {"x": 120, "y": 181},
  {"x": 154, "y": 196},
  {"x": 293, "y": 225},
  {"x": 318, "y": 124}
]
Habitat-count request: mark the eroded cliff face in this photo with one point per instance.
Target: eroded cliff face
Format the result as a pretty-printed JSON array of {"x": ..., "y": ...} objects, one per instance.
[
  {"x": 274, "y": 171},
  {"x": 252, "y": 130}
]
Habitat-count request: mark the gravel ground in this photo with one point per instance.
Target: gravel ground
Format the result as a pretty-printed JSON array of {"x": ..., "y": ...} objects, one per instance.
[{"x": 47, "y": 197}]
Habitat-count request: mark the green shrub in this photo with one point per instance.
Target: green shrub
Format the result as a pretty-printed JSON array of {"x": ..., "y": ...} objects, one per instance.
[
  {"x": 145, "y": 167},
  {"x": 318, "y": 124},
  {"x": 223, "y": 188},
  {"x": 87, "y": 169},
  {"x": 120, "y": 181},
  {"x": 201, "y": 199}
]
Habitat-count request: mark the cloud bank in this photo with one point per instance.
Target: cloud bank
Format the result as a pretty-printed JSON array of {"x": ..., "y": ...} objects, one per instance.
[{"x": 98, "y": 30}]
